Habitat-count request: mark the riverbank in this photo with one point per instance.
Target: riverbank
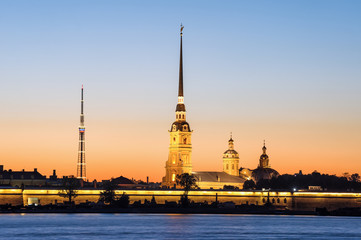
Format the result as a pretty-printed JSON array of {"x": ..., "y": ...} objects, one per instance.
[
  {"x": 159, "y": 211},
  {"x": 179, "y": 210}
]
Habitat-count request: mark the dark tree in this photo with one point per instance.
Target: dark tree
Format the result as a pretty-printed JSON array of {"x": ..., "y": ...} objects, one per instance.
[
  {"x": 108, "y": 195},
  {"x": 355, "y": 177},
  {"x": 69, "y": 188},
  {"x": 249, "y": 185},
  {"x": 326, "y": 182},
  {"x": 263, "y": 183},
  {"x": 123, "y": 201},
  {"x": 153, "y": 202},
  {"x": 188, "y": 182}
]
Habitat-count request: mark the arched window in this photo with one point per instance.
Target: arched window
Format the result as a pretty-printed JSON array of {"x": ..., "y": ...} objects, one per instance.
[
  {"x": 232, "y": 166},
  {"x": 226, "y": 166},
  {"x": 278, "y": 200},
  {"x": 285, "y": 200},
  {"x": 185, "y": 140},
  {"x": 173, "y": 177}
]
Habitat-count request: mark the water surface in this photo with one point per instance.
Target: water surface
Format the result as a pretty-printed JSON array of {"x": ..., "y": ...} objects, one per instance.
[{"x": 176, "y": 226}]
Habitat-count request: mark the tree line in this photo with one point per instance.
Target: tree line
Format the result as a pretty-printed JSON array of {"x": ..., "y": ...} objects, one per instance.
[{"x": 293, "y": 182}]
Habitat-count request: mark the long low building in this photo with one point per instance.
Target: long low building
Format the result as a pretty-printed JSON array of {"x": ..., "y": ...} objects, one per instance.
[{"x": 307, "y": 201}]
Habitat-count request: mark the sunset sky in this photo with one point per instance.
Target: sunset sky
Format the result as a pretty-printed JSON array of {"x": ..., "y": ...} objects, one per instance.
[{"x": 288, "y": 72}]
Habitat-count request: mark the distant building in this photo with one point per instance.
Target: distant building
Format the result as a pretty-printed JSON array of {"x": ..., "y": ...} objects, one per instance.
[
  {"x": 124, "y": 182},
  {"x": 54, "y": 181},
  {"x": 21, "y": 178}
]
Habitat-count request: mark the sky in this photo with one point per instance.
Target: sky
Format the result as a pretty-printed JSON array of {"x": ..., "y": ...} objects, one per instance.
[{"x": 288, "y": 72}]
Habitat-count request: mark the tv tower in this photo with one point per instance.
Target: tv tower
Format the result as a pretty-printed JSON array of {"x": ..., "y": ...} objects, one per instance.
[{"x": 81, "y": 174}]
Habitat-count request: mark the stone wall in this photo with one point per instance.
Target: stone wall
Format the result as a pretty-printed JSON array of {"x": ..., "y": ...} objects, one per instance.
[{"x": 292, "y": 200}]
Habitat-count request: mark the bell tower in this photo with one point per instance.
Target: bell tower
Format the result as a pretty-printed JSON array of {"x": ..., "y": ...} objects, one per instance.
[
  {"x": 231, "y": 159},
  {"x": 180, "y": 146}
]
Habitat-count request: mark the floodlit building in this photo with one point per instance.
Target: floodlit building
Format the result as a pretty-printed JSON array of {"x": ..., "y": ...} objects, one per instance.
[
  {"x": 180, "y": 153},
  {"x": 231, "y": 159},
  {"x": 180, "y": 146}
]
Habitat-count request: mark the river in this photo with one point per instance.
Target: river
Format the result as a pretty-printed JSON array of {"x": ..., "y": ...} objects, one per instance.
[{"x": 176, "y": 226}]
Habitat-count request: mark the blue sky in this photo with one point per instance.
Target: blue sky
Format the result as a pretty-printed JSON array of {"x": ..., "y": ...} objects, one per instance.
[{"x": 247, "y": 65}]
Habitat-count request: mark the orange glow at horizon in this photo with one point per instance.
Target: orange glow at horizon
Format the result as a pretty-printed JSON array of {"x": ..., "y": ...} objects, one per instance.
[{"x": 137, "y": 149}]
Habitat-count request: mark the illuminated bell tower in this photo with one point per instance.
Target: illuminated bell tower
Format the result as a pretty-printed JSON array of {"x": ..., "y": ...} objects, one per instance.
[
  {"x": 180, "y": 148},
  {"x": 81, "y": 174},
  {"x": 231, "y": 159}
]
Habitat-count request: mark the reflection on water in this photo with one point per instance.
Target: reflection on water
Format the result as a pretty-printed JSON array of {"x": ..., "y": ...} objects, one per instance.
[{"x": 176, "y": 226}]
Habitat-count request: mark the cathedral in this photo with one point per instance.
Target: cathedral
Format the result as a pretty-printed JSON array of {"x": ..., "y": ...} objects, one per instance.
[{"x": 180, "y": 153}]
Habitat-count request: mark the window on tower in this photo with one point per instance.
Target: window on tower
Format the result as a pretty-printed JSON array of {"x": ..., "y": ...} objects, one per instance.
[
  {"x": 173, "y": 177},
  {"x": 227, "y": 167},
  {"x": 185, "y": 140}
]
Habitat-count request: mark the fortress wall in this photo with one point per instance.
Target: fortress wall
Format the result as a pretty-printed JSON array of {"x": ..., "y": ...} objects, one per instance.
[
  {"x": 11, "y": 196},
  {"x": 331, "y": 203},
  {"x": 51, "y": 196},
  {"x": 307, "y": 201}
]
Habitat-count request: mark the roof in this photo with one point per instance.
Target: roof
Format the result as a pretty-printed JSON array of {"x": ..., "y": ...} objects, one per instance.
[
  {"x": 264, "y": 173},
  {"x": 180, "y": 126},
  {"x": 264, "y": 156},
  {"x": 230, "y": 151},
  {"x": 7, "y": 174},
  {"x": 213, "y": 177},
  {"x": 180, "y": 107},
  {"x": 122, "y": 180}
]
